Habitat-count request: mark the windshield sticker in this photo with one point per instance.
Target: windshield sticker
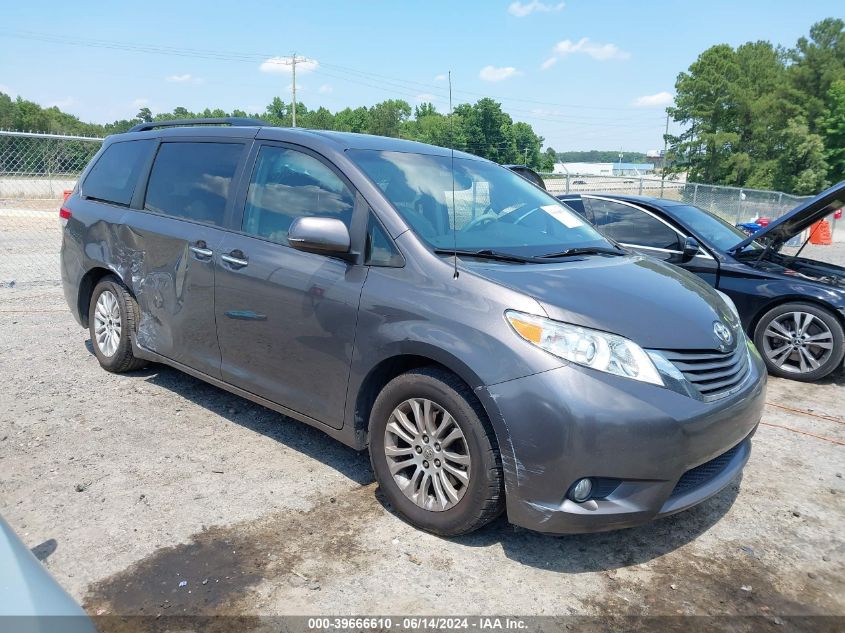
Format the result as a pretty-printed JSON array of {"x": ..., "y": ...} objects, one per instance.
[{"x": 567, "y": 218}]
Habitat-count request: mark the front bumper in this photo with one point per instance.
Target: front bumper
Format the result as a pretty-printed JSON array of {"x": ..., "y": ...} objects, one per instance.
[{"x": 561, "y": 425}]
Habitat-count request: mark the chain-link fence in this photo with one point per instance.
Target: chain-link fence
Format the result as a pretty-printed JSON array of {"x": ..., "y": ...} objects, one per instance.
[
  {"x": 734, "y": 204},
  {"x": 36, "y": 169}
]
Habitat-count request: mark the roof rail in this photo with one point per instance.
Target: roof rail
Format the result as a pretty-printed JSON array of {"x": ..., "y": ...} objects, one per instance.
[{"x": 231, "y": 120}]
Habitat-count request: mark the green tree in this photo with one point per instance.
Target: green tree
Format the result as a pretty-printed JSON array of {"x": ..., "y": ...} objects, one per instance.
[
  {"x": 801, "y": 167},
  {"x": 549, "y": 159},
  {"x": 817, "y": 62},
  {"x": 386, "y": 118},
  {"x": 488, "y": 130},
  {"x": 833, "y": 130}
]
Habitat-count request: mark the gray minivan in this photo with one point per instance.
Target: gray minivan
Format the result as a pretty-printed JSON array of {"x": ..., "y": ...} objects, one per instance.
[{"x": 487, "y": 345}]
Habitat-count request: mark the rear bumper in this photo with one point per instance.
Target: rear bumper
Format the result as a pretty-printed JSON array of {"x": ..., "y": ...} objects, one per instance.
[{"x": 655, "y": 451}]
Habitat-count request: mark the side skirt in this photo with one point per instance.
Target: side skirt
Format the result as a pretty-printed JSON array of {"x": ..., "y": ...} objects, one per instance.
[{"x": 342, "y": 434}]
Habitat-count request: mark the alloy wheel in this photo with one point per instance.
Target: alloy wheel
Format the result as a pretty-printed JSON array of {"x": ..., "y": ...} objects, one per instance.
[
  {"x": 797, "y": 342},
  {"x": 427, "y": 454},
  {"x": 107, "y": 324}
]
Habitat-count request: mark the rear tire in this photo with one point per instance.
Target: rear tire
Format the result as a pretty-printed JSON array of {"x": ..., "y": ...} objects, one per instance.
[
  {"x": 459, "y": 484},
  {"x": 801, "y": 341},
  {"x": 113, "y": 317}
]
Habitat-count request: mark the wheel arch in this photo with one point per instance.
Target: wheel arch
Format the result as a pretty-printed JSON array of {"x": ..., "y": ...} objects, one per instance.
[
  {"x": 389, "y": 367},
  {"x": 87, "y": 284}
]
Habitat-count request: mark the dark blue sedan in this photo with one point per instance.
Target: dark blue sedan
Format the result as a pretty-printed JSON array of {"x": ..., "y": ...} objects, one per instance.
[{"x": 792, "y": 306}]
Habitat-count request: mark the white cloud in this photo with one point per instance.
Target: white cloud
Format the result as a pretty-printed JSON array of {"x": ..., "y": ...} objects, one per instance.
[
  {"x": 426, "y": 97},
  {"x": 182, "y": 79},
  {"x": 442, "y": 77},
  {"x": 660, "y": 99},
  {"x": 520, "y": 10},
  {"x": 5, "y": 89},
  {"x": 325, "y": 89},
  {"x": 285, "y": 65},
  {"x": 140, "y": 102},
  {"x": 491, "y": 73},
  {"x": 584, "y": 46}
]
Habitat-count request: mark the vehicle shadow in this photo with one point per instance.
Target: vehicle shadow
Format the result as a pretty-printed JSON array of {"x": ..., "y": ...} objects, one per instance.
[
  {"x": 565, "y": 554},
  {"x": 292, "y": 433}
]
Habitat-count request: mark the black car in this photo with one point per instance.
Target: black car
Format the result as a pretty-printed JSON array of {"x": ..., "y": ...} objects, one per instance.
[
  {"x": 793, "y": 307},
  {"x": 529, "y": 174}
]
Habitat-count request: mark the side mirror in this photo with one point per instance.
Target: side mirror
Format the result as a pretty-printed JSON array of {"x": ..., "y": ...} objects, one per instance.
[
  {"x": 319, "y": 235},
  {"x": 690, "y": 250}
]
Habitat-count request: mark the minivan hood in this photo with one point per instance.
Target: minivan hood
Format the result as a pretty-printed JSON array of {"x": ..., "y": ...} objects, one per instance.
[
  {"x": 652, "y": 303},
  {"x": 807, "y": 213}
]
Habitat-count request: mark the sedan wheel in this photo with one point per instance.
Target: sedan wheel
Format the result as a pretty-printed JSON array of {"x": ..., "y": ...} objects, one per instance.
[{"x": 800, "y": 341}]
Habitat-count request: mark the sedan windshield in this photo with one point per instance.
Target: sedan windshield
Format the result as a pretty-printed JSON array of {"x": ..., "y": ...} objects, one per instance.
[
  {"x": 490, "y": 208},
  {"x": 712, "y": 228}
]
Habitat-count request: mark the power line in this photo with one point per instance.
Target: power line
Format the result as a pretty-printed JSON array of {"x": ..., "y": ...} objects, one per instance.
[{"x": 254, "y": 57}]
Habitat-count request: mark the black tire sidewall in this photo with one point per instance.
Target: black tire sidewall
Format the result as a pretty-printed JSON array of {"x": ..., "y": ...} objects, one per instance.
[
  {"x": 464, "y": 516},
  {"x": 124, "y": 347},
  {"x": 835, "y": 360}
]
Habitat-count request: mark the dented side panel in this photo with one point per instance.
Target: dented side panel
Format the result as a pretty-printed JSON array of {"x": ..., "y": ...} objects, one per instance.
[{"x": 174, "y": 286}]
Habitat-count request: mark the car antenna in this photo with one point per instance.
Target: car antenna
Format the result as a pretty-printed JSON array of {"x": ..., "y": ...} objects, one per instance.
[{"x": 454, "y": 210}]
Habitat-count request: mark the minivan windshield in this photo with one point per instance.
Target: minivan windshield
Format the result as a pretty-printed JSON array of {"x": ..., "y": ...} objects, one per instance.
[
  {"x": 494, "y": 209},
  {"x": 712, "y": 228}
]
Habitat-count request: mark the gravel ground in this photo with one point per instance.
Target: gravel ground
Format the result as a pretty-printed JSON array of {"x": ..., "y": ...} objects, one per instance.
[{"x": 129, "y": 485}]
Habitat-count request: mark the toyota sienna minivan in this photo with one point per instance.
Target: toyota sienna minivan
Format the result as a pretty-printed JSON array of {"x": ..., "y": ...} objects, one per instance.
[{"x": 490, "y": 348}]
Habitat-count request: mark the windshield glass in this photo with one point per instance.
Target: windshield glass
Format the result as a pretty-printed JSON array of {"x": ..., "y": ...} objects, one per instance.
[
  {"x": 721, "y": 234},
  {"x": 494, "y": 209}
]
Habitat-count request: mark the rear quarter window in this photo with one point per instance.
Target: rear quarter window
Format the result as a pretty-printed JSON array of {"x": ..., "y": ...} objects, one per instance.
[
  {"x": 193, "y": 180},
  {"x": 113, "y": 177}
]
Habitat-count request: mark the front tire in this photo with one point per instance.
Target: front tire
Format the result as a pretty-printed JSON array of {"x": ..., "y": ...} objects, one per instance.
[
  {"x": 800, "y": 341},
  {"x": 113, "y": 316},
  {"x": 434, "y": 453}
]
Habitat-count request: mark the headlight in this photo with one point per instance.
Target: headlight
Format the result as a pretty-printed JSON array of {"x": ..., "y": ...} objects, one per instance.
[
  {"x": 591, "y": 348},
  {"x": 731, "y": 305}
]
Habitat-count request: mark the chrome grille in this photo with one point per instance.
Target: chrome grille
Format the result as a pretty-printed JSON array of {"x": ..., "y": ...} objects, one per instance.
[{"x": 715, "y": 374}]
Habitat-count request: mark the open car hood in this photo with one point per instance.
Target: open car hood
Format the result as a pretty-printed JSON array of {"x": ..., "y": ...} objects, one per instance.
[{"x": 807, "y": 213}]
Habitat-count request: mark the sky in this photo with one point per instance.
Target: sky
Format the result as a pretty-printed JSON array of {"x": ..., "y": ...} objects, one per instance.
[{"x": 586, "y": 74}]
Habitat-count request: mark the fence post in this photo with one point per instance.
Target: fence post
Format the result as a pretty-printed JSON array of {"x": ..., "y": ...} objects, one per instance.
[
  {"x": 567, "y": 183},
  {"x": 695, "y": 194},
  {"x": 641, "y": 185}
]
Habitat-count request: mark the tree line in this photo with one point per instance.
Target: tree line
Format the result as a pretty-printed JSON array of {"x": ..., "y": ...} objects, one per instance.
[
  {"x": 763, "y": 116},
  {"x": 481, "y": 128}
]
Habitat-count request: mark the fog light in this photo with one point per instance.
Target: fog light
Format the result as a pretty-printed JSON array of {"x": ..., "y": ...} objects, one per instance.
[{"x": 580, "y": 490}]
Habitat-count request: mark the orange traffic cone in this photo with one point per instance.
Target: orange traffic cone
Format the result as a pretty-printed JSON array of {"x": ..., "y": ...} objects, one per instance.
[{"x": 820, "y": 233}]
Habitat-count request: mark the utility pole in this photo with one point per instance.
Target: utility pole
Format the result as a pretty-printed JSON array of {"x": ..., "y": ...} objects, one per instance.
[
  {"x": 293, "y": 71},
  {"x": 665, "y": 151}
]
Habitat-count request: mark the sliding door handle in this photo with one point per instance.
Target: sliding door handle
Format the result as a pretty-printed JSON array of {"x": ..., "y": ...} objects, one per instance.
[{"x": 235, "y": 259}]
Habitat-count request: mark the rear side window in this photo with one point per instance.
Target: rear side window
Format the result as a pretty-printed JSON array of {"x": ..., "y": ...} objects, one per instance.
[
  {"x": 287, "y": 184},
  {"x": 193, "y": 180},
  {"x": 113, "y": 177}
]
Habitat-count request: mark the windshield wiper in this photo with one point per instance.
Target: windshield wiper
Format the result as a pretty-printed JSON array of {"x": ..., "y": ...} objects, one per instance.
[
  {"x": 584, "y": 250},
  {"x": 487, "y": 253}
]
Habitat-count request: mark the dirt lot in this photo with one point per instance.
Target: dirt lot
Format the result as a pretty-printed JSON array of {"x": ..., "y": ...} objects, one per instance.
[{"x": 128, "y": 486}]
